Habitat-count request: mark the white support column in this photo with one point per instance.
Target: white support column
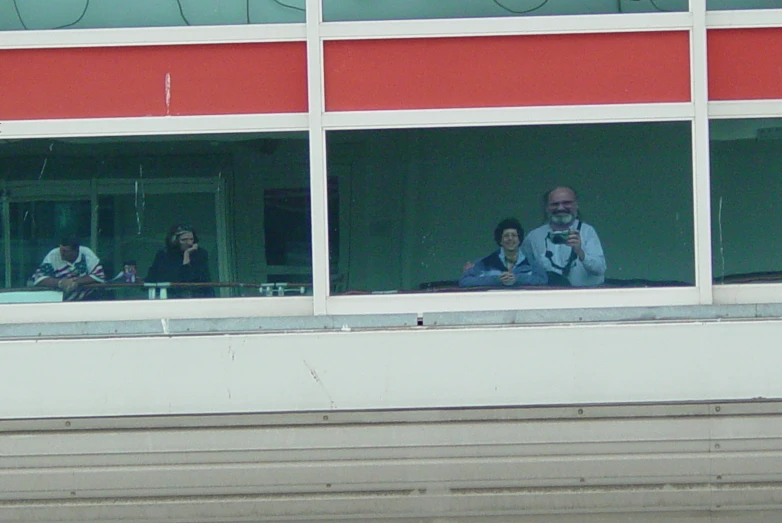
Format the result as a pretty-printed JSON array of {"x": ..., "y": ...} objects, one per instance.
[
  {"x": 317, "y": 148},
  {"x": 94, "y": 216},
  {"x": 700, "y": 146},
  {"x": 7, "y": 234}
]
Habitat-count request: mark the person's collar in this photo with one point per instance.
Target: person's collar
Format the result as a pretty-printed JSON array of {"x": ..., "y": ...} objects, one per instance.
[{"x": 519, "y": 255}]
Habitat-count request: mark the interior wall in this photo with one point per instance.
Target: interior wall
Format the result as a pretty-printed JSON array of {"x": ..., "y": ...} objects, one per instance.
[
  {"x": 746, "y": 178},
  {"x": 427, "y": 201},
  {"x": 281, "y": 164}
]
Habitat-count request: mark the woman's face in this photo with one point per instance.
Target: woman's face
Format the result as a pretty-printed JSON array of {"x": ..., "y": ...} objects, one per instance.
[
  {"x": 185, "y": 240},
  {"x": 510, "y": 240}
]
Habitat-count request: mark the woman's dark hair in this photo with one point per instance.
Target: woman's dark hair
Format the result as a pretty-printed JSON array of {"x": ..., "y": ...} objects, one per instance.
[
  {"x": 508, "y": 223},
  {"x": 172, "y": 237}
]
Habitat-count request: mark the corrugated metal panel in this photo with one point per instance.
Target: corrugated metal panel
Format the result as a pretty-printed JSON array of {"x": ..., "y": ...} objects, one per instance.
[{"x": 679, "y": 463}]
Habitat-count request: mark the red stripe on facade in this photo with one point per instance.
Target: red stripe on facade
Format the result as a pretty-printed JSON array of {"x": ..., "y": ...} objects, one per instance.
[
  {"x": 153, "y": 81},
  {"x": 501, "y": 71},
  {"x": 745, "y": 64}
]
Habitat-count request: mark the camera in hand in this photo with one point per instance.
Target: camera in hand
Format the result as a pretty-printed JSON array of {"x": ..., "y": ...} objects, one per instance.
[{"x": 558, "y": 237}]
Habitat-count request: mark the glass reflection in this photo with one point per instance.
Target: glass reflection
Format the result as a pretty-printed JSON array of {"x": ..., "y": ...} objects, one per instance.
[
  {"x": 188, "y": 216},
  {"x": 746, "y": 176},
  {"x": 418, "y": 206},
  {"x": 733, "y": 5},
  {"x": 346, "y": 10},
  {"x": 22, "y": 15}
]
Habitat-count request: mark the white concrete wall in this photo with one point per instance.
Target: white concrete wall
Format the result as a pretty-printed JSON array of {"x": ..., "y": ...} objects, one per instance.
[{"x": 388, "y": 369}]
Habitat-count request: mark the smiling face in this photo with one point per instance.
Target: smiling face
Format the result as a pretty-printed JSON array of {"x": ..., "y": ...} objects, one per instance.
[
  {"x": 562, "y": 208},
  {"x": 510, "y": 240}
]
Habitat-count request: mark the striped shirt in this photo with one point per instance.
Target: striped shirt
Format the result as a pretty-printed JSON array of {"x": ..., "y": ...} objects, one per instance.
[{"x": 53, "y": 266}]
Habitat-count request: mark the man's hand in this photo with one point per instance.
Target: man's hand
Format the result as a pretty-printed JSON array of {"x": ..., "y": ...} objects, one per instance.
[
  {"x": 507, "y": 278},
  {"x": 67, "y": 284},
  {"x": 574, "y": 241},
  {"x": 467, "y": 266}
]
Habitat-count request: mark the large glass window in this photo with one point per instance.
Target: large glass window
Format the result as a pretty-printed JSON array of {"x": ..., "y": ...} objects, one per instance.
[
  {"x": 746, "y": 179},
  {"x": 731, "y": 5},
  {"x": 418, "y": 205},
  {"x": 344, "y": 10},
  {"x": 83, "y": 14},
  {"x": 139, "y": 204}
]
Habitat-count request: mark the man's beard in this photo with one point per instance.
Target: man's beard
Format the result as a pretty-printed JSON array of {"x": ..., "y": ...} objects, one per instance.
[{"x": 562, "y": 219}]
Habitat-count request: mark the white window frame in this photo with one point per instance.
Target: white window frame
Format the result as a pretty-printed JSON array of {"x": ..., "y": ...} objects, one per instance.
[
  {"x": 317, "y": 122},
  {"x": 581, "y": 24},
  {"x": 143, "y": 309}
]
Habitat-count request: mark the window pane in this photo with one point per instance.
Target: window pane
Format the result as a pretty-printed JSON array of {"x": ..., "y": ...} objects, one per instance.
[
  {"x": 416, "y": 205},
  {"x": 731, "y": 5},
  {"x": 83, "y": 14},
  {"x": 343, "y": 10},
  {"x": 746, "y": 176},
  {"x": 141, "y": 203}
]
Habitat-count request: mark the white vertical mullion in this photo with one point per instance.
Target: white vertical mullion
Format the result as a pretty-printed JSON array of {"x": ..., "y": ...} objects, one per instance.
[
  {"x": 7, "y": 234},
  {"x": 317, "y": 150},
  {"x": 700, "y": 146},
  {"x": 94, "y": 215}
]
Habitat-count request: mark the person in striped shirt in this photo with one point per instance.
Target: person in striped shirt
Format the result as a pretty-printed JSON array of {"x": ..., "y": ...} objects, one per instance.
[{"x": 68, "y": 268}]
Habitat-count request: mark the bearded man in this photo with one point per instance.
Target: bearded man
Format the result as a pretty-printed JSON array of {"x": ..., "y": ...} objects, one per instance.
[{"x": 567, "y": 248}]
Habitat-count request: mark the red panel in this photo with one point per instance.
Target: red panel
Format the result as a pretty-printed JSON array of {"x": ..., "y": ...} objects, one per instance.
[
  {"x": 745, "y": 64},
  {"x": 131, "y": 81},
  {"x": 507, "y": 71}
]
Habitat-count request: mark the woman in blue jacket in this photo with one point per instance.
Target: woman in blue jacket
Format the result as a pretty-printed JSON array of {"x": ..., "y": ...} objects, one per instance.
[{"x": 506, "y": 267}]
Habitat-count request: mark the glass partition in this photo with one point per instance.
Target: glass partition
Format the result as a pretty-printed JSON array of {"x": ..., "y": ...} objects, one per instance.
[
  {"x": 165, "y": 217},
  {"x": 746, "y": 175},
  {"x": 732, "y": 5},
  {"x": 420, "y": 207},
  {"x": 16, "y": 15},
  {"x": 347, "y": 10}
]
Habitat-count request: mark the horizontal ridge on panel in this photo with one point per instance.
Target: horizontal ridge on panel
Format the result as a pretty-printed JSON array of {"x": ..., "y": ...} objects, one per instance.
[
  {"x": 745, "y": 64},
  {"x": 153, "y": 81},
  {"x": 506, "y": 71}
]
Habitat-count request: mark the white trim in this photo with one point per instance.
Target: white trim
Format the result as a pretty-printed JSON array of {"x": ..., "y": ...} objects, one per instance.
[
  {"x": 317, "y": 150},
  {"x": 755, "y": 18},
  {"x": 133, "y": 36},
  {"x": 700, "y": 148},
  {"x": 157, "y": 309},
  {"x": 512, "y": 300},
  {"x": 745, "y": 109},
  {"x": 498, "y": 116},
  {"x": 747, "y": 293},
  {"x": 153, "y": 125},
  {"x": 610, "y": 23}
]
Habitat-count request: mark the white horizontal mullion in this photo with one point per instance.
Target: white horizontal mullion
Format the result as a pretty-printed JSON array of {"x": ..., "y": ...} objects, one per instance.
[
  {"x": 512, "y": 300},
  {"x": 745, "y": 109},
  {"x": 156, "y": 309},
  {"x": 509, "y": 116},
  {"x": 746, "y": 19},
  {"x": 610, "y": 23},
  {"x": 157, "y": 125},
  {"x": 728, "y": 294},
  {"x": 132, "y": 36}
]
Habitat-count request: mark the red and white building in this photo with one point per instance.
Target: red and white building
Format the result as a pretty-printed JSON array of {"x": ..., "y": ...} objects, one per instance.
[{"x": 412, "y": 130}]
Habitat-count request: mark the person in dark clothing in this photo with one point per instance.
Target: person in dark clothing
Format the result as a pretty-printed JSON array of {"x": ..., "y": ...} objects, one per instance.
[{"x": 182, "y": 261}]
